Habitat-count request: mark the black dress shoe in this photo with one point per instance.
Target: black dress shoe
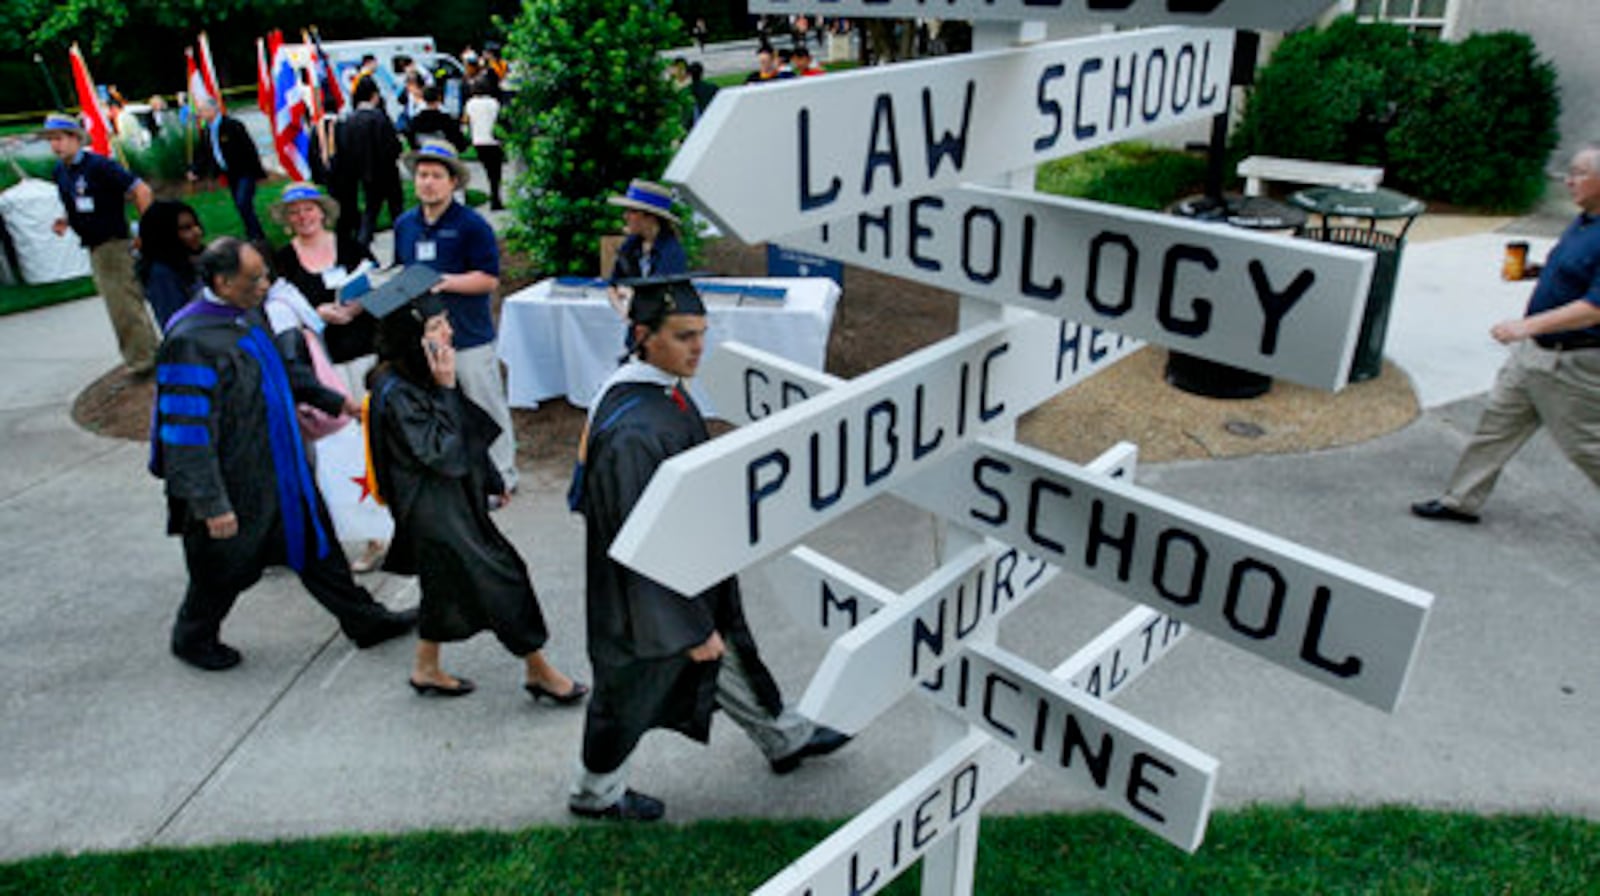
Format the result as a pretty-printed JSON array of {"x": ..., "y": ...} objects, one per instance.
[
  {"x": 464, "y": 686},
  {"x": 634, "y": 806},
  {"x": 577, "y": 692},
  {"x": 823, "y": 741},
  {"x": 213, "y": 657},
  {"x": 1437, "y": 510},
  {"x": 393, "y": 627}
]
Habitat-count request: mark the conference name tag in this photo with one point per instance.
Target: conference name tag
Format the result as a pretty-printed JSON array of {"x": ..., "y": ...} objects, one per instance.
[{"x": 427, "y": 250}]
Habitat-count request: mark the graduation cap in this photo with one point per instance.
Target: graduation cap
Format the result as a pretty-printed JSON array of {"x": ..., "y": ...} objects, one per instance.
[
  {"x": 656, "y": 297},
  {"x": 410, "y": 284}
]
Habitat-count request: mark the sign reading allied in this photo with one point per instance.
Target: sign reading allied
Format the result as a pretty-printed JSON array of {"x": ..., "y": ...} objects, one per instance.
[{"x": 834, "y": 146}]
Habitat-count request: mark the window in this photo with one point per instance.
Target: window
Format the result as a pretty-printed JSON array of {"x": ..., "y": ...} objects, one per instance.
[{"x": 1429, "y": 18}]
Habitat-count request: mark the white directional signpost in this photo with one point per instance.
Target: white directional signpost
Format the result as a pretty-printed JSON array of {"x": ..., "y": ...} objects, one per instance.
[{"x": 894, "y": 168}]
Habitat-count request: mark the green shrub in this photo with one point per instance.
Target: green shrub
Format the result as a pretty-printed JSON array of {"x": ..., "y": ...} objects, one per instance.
[
  {"x": 593, "y": 112},
  {"x": 1470, "y": 123},
  {"x": 1131, "y": 174},
  {"x": 1481, "y": 126},
  {"x": 164, "y": 161}
]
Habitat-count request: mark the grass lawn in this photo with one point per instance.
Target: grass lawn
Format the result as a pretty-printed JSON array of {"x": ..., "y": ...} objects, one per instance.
[{"x": 1259, "y": 850}]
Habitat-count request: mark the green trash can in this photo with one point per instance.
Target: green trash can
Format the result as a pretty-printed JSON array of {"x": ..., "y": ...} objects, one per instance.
[{"x": 1375, "y": 205}]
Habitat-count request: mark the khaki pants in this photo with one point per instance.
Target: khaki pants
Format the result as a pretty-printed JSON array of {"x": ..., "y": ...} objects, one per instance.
[
  {"x": 1537, "y": 386},
  {"x": 112, "y": 263}
]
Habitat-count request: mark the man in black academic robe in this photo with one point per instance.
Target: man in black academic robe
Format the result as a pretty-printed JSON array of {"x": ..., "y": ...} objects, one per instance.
[
  {"x": 662, "y": 659},
  {"x": 239, "y": 487}
]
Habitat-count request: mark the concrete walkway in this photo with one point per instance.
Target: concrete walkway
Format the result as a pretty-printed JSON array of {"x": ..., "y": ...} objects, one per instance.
[{"x": 109, "y": 743}]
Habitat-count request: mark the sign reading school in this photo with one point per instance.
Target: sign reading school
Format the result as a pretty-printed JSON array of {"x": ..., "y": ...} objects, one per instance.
[{"x": 837, "y": 145}]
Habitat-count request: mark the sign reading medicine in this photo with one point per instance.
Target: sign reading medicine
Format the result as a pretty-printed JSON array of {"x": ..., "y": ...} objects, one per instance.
[
  {"x": 836, "y": 145},
  {"x": 1272, "y": 15},
  {"x": 1286, "y": 308}
]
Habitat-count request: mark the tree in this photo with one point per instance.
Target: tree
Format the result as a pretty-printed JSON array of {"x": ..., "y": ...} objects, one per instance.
[{"x": 593, "y": 110}]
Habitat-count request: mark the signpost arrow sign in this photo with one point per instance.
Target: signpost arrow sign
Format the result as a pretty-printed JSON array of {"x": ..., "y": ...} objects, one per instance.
[
  {"x": 1283, "y": 307},
  {"x": 1327, "y": 620},
  {"x": 1271, "y": 15},
  {"x": 763, "y": 487},
  {"x": 854, "y": 140}
]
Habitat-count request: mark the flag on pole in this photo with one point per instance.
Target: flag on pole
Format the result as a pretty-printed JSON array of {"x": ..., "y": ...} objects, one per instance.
[
  {"x": 198, "y": 91},
  {"x": 263, "y": 80},
  {"x": 336, "y": 98},
  {"x": 208, "y": 73},
  {"x": 94, "y": 114},
  {"x": 290, "y": 134}
]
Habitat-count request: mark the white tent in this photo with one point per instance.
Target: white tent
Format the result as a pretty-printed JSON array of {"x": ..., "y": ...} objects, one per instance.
[{"x": 28, "y": 209}]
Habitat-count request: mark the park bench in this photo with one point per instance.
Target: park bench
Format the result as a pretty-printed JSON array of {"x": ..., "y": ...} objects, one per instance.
[{"x": 1255, "y": 169}]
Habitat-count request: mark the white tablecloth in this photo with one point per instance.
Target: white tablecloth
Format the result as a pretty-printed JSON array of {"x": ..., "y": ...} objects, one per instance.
[{"x": 561, "y": 340}]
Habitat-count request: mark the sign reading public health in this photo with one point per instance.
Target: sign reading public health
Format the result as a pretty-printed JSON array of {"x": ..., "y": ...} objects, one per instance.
[
  {"x": 762, "y": 488},
  {"x": 1270, "y": 15},
  {"x": 830, "y": 147},
  {"x": 1287, "y": 308}
]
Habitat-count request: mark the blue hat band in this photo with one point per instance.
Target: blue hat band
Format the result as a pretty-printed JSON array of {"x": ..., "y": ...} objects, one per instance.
[
  {"x": 60, "y": 123},
  {"x": 438, "y": 151},
  {"x": 302, "y": 193},
  {"x": 654, "y": 200}
]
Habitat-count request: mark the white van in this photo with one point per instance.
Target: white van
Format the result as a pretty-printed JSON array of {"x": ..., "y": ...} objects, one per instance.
[{"x": 393, "y": 54}]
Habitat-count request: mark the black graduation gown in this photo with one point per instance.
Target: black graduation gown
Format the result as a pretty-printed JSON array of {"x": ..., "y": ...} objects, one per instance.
[
  {"x": 430, "y": 451},
  {"x": 640, "y": 630}
]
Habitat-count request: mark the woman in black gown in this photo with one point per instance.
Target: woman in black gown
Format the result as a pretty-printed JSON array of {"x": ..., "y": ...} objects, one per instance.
[{"x": 429, "y": 447}]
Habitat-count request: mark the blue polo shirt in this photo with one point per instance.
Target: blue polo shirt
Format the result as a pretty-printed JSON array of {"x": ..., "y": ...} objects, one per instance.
[
  {"x": 1572, "y": 271},
  {"x": 459, "y": 242},
  {"x": 94, "y": 189}
]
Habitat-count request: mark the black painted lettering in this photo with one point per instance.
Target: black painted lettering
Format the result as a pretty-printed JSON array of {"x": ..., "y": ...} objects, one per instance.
[
  {"x": 1114, "y": 680},
  {"x": 858, "y": 887},
  {"x": 849, "y": 606},
  {"x": 809, "y": 199},
  {"x": 990, "y": 682},
  {"x": 878, "y": 155},
  {"x": 1080, "y": 129},
  {"x": 1075, "y": 740},
  {"x": 1311, "y": 646},
  {"x": 1001, "y": 511},
  {"x": 922, "y": 827},
  {"x": 981, "y": 213},
  {"x": 1275, "y": 305},
  {"x": 1139, "y": 781},
  {"x": 1049, "y": 108},
  {"x": 1183, "y": 80},
  {"x": 820, "y": 501},
  {"x": 1122, "y": 91},
  {"x": 1201, "y": 321},
  {"x": 1122, "y": 543},
  {"x": 1130, "y": 264},
  {"x": 920, "y": 446},
  {"x": 987, "y": 411},
  {"x": 969, "y": 612},
  {"x": 1004, "y": 566},
  {"x": 754, "y": 380},
  {"x": 1207, "y": 99},
  {"x": 1047, "y": 291},
  {"x": 883, "y": 410},
  {"x": 883, "y": 222},
  {"x": 1148, "y": 110},
  {"x": 947, "y": 144},
  {"x": 1185, "y": 594},
  {"x": 919, "y": 232},
  {"x": 756, "y": 490},
  {"x": 963, "y": 790},
  {"x": 1036, "y": 493},
  {"x": 792, "y": 393},
  {"x": 1250, "y": 567},
  {"x": 927, "y": 634}
]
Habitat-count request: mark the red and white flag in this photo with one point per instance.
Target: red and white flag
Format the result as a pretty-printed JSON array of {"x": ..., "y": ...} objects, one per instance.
[
  {"x": 290, "y": 131},
  {"x": 208, "y": 73},
  {"x": 263, "y": 80},
  {"x": 325, "y": 74},
  {"x": 95, "y": 120},
  {"x": 197, "y": 87}
]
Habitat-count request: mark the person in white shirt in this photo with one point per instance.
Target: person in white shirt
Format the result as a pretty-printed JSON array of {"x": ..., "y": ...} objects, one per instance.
[{"x": 481, "y": 112}]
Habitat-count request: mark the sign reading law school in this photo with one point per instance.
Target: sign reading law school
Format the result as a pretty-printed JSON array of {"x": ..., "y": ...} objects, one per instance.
[
  {"x": 1283, "y": 307},
  {"x": 1272, "y": 15},
  {"x": 765, "y": 486},
  {"x": 1334, "y": 623},
  {"x": 829, "y": 147}
]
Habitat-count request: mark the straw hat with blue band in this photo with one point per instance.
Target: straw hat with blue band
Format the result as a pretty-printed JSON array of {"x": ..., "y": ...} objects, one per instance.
[
  {"x": 647, "y": 196},
  {"x": 303, "y": 192},
  {"x": 433, "y": 150},
  {"x": 57, "y": 122}
]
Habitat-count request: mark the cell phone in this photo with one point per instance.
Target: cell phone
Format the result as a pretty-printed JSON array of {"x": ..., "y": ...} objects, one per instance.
[{"x": 432, "y": 347}]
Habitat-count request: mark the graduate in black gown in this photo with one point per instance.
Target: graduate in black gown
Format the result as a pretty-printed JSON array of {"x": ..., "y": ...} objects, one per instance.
[
  {"x": 662, "y": 659},
  {"x": 240, "y": 491},
  {"x": 429, "y": 448}
]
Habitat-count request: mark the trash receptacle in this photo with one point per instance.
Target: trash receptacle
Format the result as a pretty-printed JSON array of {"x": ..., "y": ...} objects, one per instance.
[
  {"x": 1375, "y": 205},
  {"x": 1212, "y": 379}
]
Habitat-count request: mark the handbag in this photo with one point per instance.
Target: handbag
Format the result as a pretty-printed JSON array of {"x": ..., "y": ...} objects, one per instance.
[{"x": 314, "y": 422}]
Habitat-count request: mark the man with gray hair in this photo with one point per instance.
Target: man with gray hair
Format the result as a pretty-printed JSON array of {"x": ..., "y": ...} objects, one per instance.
[
  {"x": 226, "y": 439},
  {"x": 1553, "y": 375},
  {"x": 228, "y": 152}
]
